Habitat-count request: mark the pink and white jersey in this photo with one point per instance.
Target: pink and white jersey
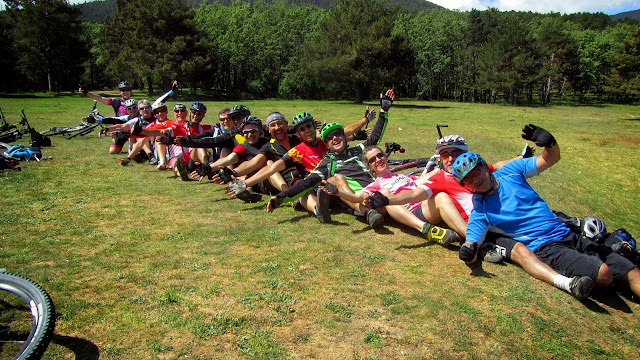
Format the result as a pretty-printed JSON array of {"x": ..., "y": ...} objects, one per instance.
[{"x": 396, "y": 183}]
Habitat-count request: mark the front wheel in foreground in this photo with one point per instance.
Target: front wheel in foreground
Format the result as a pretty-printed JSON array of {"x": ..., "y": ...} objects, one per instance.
[{"x": 27, "y": 318}]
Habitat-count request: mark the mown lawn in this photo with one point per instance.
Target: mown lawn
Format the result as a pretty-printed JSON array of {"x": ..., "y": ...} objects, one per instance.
[{"x": 142, "y": 265}]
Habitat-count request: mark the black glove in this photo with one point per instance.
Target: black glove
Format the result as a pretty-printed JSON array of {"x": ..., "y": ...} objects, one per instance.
[
  {"x": 330, "y": 188},
  {"x": 205, "y": 170},
  {"x": 275, "y": 202},
  {"x": 378, "y": 200},
  {"x": 121, "y": 134},
  {"x": 167, "y": 140},
  {"x": 137, "y": 129},
  {"x": 225, "y": 174},
  {"x": 174, "y": 87},
  {"x": 385, "y": 102},
  {"x": 527, "y": 152},
  {"x": 360, "y": 135},
  {"x": 468, "y": 251},
  {"x": 538, "y": 135},
  {"x": 369, "y": 115}
]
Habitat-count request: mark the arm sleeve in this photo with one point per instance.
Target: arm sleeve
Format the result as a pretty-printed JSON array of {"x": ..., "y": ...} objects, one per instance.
[
  {"x": 378, "y": 130},
  {"x": 224, "y": 140},
  {"x": 305, "y": 185},
  {"x": 477, "y": 228},
  {"x": 112, "y": 121}
]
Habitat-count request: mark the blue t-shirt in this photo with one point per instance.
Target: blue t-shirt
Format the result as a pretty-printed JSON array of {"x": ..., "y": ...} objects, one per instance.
[{"x": 515, "y": 209}]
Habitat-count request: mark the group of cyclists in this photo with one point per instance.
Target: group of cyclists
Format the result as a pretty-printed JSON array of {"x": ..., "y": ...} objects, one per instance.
[{"x": 489, "y": 209}]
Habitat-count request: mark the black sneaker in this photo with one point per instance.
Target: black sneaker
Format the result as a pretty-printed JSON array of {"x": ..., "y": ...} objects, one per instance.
[
  {"x": 323, "y": 202},
  {"x": 374, "y": 218},
  {"x": 249, "y": 196},
  {"x": 488, "y": 252},
  {"x": 153, "y": 161},
  {"x": 581, "y": 287},
  {"x": 181, "y": 166},
  {"x": 125, "y": 161}
]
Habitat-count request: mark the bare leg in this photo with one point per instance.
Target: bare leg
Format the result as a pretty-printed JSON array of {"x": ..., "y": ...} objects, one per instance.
[
  {"x": 633, "y": 279},
  {"x": 402, "y": 215},
  {"x": 530, "y": 263},
  {"x": 277, "y": 180},
  {"x": 309, "y": 202},
  {"x": 441, "y": 208},
  {"x": 341, "y": 183}
]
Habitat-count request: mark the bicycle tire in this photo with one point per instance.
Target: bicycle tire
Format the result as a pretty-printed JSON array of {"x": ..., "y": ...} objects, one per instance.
[{"x": 21, "y": 300}]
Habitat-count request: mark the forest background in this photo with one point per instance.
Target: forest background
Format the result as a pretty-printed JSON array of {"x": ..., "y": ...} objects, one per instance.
[{"x": 321, "y": 50}]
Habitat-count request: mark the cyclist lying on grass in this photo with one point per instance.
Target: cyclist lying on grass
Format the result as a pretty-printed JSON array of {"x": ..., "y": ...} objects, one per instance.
[
  {"x": 505, "y": 203},
  {"x": 450, "y": 148},
  {"x": 341, "y": 167},
  {"x": 416, "y": 214}
]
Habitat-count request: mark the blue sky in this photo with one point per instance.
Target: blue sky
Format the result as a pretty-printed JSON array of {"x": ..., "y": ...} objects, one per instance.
[{"x": 610, "y": 7}]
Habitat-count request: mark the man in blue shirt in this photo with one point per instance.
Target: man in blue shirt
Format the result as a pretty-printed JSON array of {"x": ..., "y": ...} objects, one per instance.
[{"x": 506, "y": 204}]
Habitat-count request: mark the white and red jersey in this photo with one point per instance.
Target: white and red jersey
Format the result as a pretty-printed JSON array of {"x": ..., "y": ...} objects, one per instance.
[
  {"x": 396, "y": 183},
  {"x": 184, "y": 129},
  {"x": 461, "y": 196}
]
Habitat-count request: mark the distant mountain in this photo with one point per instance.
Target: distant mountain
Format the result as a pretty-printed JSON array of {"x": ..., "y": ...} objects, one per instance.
[
  {"x": 634, "y": 14},
  {"x": 103, "y": 10}
]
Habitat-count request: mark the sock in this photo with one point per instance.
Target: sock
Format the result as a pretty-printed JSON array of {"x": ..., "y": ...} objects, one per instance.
[
  {"x": 562, "y": 282},
  {"x": 426, "y": 227}
]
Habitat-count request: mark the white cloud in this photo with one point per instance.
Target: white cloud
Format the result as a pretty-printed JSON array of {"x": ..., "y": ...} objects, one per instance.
[{"x": 544, "y": 6}]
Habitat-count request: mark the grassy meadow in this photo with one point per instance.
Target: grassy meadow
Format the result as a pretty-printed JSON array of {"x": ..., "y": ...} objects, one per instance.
[{"x": 141, "y": 265}]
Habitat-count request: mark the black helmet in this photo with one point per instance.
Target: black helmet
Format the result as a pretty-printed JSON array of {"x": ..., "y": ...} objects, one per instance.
[
  {"x": 251, "y": 120},
  {"x": 198, "y": 106},
  {"x": 180, "y": 107},
  {"x": 124, "y": 85},
  {"x": 239, "y": 111}
]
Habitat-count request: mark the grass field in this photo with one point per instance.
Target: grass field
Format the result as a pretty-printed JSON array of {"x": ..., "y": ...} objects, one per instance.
[{"x": 141, "y": 265}]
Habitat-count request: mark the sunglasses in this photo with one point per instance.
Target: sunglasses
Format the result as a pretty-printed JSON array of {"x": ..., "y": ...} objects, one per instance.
[
  {"x": 225, "y": 118},
  {"x": 197, "y": 112},
  {"x": 376, "y": 157},
  {"x": 145, "y": 108},
  {"x": 180, "y": 111},
  {"x": 132, "y": 108},
  {"x": 247, "y": 132},
  {"x": 330, "y": 136},
  {"x": 304, "y": 127}
]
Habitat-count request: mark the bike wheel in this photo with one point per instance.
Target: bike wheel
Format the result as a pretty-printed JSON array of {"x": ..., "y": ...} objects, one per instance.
[{"x": 27, "y": 318}]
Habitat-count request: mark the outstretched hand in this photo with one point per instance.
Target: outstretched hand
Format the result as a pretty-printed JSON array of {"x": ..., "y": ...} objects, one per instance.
[
  {"x": 273, "y": 203},
  {"x": 370, "y": 114},
  {"x": 387, "y": 99},
  {"x": 328, "y": 188}
]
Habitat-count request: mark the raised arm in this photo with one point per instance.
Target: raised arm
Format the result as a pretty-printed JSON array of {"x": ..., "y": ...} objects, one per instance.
[{"x": 542, "y": 138}]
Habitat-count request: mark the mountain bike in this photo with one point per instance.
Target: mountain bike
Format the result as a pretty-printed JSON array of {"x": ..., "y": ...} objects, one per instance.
[
  {"x": 13, "y": 133},
  {"x": 90, "y": 123},
  {"x": 27, "y": 317}
]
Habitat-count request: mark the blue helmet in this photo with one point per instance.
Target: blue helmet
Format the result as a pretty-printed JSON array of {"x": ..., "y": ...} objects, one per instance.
[{"x": 463, "y": 165}]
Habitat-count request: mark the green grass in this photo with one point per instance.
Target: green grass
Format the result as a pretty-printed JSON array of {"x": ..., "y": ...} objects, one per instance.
[{"x": 142, "y": 265}]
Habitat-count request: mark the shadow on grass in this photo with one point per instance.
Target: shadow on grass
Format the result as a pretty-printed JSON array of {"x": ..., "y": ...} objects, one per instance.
[
  {"x": 608, "y": 297},
  {"x": 82, "y": 348}
]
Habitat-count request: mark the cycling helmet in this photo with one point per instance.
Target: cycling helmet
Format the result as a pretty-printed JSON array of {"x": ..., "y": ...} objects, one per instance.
[
  {"x": 159, "y": 107},
  {"x": 129, "y": 103},
  {"x": 251, "y": 120},
  {"x": 327, "y": 128},
  {"x": 275, "y": 116},
  {"x": 198, "y": 106},
  {"x": 302, "y": 118},
  {"x": 239, "y": 111},
  {"x": 594, "y": 228},
  {"x": 451, "y": 142},
  {"x": 124, "y": 85},
  {"x": 464, "y": 164},
  {"x": 179, "y": 107}
]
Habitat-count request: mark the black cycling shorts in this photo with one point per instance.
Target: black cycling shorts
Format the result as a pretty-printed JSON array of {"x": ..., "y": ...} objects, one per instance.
[
  {"x": 577, "y": 256},
  {"x": 504, "y": 245}
]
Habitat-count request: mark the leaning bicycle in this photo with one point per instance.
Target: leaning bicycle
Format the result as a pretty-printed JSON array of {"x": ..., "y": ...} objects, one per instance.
[{"x": 27, "y": 318}]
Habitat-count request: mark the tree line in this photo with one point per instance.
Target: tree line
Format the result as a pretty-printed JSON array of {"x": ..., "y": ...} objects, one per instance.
[{"x": 347, "y": 51}]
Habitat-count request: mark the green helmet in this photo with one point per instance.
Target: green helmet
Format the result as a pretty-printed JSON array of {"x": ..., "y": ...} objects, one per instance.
[
  {"x": 327, "y": 128},
  {"x": 302, "y": 118}
]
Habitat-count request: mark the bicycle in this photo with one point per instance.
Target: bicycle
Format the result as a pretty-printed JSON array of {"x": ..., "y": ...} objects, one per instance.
[
  {"x": 93, "y": 120},
  {"x": 13, "y": 133},
  {"x": 27, "y": 317}
]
